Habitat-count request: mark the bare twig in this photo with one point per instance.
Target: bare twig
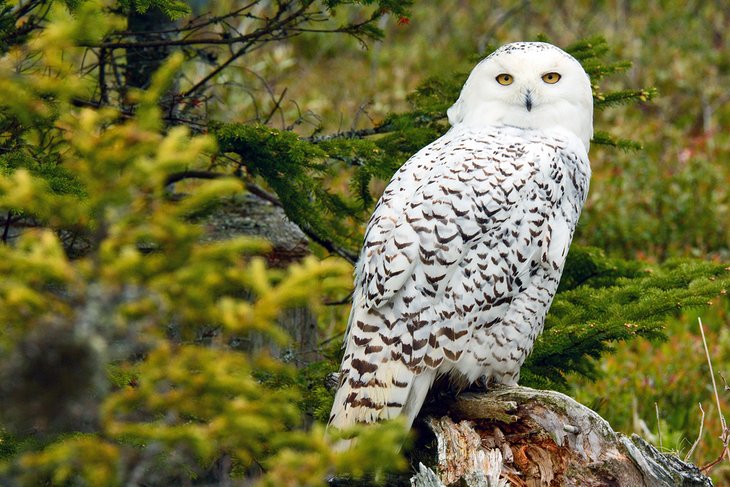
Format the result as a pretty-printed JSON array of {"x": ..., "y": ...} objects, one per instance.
[
  {"x": 6, "y": 230},
  {"x": 725, "y": 434},
  {"x": 346, "y": 300},
  {"x": 250, "y": 187},
  {"x": 277, "y": 24},
  {"x": 104, "y": 96},
  {"x": 499, "y": 22},
  {"x": 264, "y": 195},
  {"x": 24, "y": 9},
  {"x": 200, "y": 84},
  {"x": 658, "y": 426},
  {"x": 330, "y": 339},
  {"x": 213, "y": 41},
  {"x": 277, "y": 107},
  {"x": 709, "y": 466},
  {"x": 362, "y": 110},
  {"x": 179, "y": 176},
  {"x": 328, "y": 245},
  {"x": 712, "y": 375},
  {"x": 699, "y": 435}
]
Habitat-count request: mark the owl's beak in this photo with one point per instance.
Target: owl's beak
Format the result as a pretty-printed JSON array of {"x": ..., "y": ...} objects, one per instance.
[{"x": 528, "y": 101}]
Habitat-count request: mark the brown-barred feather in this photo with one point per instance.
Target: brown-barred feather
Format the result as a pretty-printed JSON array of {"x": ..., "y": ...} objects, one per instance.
[{"x": 464, "y": 251}]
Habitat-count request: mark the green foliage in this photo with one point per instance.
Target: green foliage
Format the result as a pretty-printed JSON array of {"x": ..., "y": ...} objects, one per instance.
[
  {"x": 370, "y": 159},
  {"x": 60, "y": 180},
  {"x": 9, "y": 32},
  {"x": 589, "y": 266},
  {"x": 674, "y": 210},
  {"x": 172, "y": 8},
  {"x": 594, "y": 55},
  {"x": 398, "y": 7},
  {"x": 673, "y": 377},
  {"x": 296, "y": 170},
  {"x": 153, "y": 402},
  {"x": 203, "y": 402},
  {"x": 604, "y": 138},
  {"x": 306, "y": 175},
  {"x": 311, "y": 380},
  {"x": 82, "y": 460},
  {"x": 607, "y": 301},
  {"x": 384, "y": 7}
]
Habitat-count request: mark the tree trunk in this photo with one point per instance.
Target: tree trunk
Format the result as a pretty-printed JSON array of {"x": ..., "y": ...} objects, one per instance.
[
  {"x": 253, "y": 216},
  {"x": 529, "y": 438},
  {"x": 142, "y": 62}
]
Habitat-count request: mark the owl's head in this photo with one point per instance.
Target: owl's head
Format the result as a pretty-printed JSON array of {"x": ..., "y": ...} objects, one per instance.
[{"x": 531, "y": 85}]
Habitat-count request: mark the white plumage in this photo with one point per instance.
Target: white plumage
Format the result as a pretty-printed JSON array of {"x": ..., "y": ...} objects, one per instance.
[{"x": 465, "y": 249}]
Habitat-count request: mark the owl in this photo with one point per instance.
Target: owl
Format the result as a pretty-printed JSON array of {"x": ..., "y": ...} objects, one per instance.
[{"x": 465, "y": 249}]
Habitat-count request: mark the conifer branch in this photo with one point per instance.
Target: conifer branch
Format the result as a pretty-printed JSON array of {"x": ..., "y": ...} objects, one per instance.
[
  {"x": 192, "y": 25},
  {"x": 624, "y": 302},
  {"x": 604, "y": 138},
  {"x": 623, "y": 97},
  {"x": 351, "y": 134},
  {"x": 324, "y": 242},
  {"x": 263, "y": 194}
]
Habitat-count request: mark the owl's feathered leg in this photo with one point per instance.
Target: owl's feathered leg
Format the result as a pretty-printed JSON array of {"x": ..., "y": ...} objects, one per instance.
[
  {"x": 371, "y": 392},
  {"x": 417, "y": 395}
]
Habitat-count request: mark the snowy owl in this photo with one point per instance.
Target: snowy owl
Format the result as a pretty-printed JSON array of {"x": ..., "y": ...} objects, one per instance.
[{"x": 465, "y": 249}]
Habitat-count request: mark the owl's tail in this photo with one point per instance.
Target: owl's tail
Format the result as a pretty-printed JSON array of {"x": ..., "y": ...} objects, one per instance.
[{"x": 372, "y": 390}]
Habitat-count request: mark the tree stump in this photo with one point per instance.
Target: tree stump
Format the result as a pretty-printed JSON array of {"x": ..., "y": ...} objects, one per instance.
[{"x": 530, "y": 438}]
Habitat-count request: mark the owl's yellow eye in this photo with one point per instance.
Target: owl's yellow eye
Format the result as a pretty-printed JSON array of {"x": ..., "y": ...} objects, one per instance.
[
  {"x": 505, "y": 79},
  {"x": 551, "y": 78}
]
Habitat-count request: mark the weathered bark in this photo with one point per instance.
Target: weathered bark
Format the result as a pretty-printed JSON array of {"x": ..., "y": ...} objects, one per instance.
[
  {"x": 253, "y": 216},
  {"x": 537, "y": 438}
]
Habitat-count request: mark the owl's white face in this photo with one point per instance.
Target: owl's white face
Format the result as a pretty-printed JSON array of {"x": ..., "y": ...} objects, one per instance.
[{"x": 530, "y": 85}]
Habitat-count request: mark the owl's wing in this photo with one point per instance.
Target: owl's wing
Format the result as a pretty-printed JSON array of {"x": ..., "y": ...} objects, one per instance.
[{"x": 458, "y": 230}]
